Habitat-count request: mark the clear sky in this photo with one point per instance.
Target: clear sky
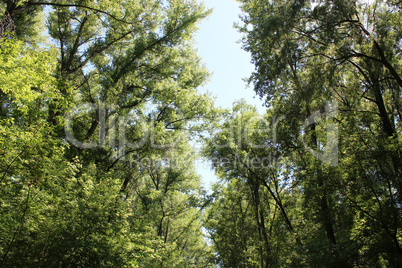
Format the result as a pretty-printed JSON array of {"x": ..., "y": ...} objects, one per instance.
[{"x": 217, "y": 43}]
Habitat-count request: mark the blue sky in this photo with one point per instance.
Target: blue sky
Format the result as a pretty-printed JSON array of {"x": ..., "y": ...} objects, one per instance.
[{"x": 217, "y": 43}]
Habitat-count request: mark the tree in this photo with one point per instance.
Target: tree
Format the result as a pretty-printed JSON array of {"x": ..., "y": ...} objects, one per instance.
[
  {"x": 309, "y": 54},
  {"x": 119, "y": 82},
  {"x": 259, "y": 229}
]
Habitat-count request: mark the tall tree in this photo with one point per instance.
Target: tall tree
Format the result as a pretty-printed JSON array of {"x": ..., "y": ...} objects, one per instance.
[
  {"x": 119, "y": 82},
  {"x": 244, "y": 154},
  {"x": 309, "y": 54}
]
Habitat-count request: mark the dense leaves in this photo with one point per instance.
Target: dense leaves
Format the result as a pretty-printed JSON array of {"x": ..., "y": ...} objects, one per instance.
[
  {"x": 96, "y": 117},
  {"x": 331, "y": 71},
  {"x": 100, "y": 113}
]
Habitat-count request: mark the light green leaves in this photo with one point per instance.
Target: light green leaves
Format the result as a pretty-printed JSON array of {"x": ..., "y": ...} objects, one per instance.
[{"x": 26, "y": 73}]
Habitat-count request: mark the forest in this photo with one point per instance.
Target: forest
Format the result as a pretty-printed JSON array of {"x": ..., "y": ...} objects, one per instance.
[{"x": 101, "y": 109}]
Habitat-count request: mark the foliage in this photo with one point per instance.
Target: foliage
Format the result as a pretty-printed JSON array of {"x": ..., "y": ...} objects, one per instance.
[
  {"x": 330, "y": 70},
  {"x": 100, "y": 110},
  {"x": 79, "y": 186}
]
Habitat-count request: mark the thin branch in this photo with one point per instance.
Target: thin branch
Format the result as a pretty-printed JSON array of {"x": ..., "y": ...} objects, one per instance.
[
  {"x": 80, "y": 6},
  {"x": 18, "y": 228}
]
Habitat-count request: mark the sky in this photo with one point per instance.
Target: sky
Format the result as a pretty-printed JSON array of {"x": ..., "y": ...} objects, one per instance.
[{"x": 219, "y": 47}]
